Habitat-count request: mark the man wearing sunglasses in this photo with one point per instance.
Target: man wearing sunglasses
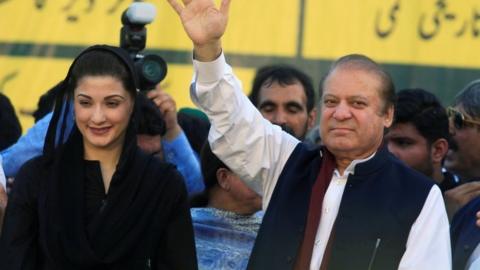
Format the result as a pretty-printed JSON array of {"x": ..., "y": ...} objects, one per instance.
[{"x": 464, "y": 159}]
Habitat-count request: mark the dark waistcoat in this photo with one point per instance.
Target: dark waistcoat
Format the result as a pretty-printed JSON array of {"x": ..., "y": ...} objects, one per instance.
[
  {"x": 465, "y": 234},
  {"x": 381, "y": 201}
]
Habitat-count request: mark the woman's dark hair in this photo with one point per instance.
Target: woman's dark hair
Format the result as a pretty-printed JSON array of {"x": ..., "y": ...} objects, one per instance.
[{"x": 101, "y": 63}]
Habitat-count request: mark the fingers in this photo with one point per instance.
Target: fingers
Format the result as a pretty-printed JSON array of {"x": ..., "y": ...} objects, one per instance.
[
  {"x": 224, "y": 7},
  {"x": 162, "y": 100},
  {"x": 462, "y": 194},
  {"x": 478, "y": 218},
  {"x": 176, "y": 6}
]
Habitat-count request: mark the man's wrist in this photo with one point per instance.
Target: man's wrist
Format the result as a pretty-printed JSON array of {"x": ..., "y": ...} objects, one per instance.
[
  {"x": 207, "y": 52},
  {"x": 173, "y": 133}
]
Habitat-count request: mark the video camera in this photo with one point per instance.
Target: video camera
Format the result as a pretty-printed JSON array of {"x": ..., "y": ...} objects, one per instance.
[{"x": 150, "y": 68}]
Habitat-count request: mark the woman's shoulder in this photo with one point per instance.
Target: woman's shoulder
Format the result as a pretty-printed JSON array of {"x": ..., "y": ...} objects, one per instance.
[
  {"x": 159, "y": 170},
  {"x": 28, "y": 179},
  {"x": 32, "y": 167}
]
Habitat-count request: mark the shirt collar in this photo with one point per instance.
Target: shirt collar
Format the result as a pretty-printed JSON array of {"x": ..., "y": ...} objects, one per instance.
[{"x": 351, "y": 167}]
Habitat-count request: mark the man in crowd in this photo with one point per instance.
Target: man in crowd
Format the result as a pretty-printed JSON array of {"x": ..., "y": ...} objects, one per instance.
[
  {"x": 351, "y": 205},
  {"x": 285, "y": 96},
  {"x": 419, "y": 135},
  {"x": 464, "y": 160}
]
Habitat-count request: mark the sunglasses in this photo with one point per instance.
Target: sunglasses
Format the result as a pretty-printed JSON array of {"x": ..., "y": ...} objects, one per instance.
[{"x": 459, "y": 120}]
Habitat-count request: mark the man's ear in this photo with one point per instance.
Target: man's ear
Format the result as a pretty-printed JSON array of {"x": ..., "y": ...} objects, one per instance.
[
  {"x": 387, "y": 122},
  {"x": 312, "y": 117},
  {"x": 438, "y": 150},
  {"x": 222, "y": 178}
]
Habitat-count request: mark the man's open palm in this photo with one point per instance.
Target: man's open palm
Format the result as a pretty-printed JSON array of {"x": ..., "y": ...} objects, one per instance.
[{"x": 202, "y": 21}]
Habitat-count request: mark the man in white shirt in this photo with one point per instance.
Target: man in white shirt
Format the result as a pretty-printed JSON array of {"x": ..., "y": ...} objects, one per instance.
[{"x": 351, "y": 205}]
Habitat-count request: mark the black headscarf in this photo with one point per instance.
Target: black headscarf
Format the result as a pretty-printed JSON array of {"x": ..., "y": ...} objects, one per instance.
[{"x": 133, "y": 199}]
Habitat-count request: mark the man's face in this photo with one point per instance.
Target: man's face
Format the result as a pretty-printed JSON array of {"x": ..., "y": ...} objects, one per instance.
[
  {"x": 286, "y": 106},
  {"x": 464, "y": 155},
  {"x": 352, "y": 118},
  {"x": 407, "y": 144}
]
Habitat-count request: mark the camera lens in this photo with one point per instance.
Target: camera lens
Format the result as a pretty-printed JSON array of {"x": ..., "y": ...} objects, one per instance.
[{"x": 152, "y": 69}]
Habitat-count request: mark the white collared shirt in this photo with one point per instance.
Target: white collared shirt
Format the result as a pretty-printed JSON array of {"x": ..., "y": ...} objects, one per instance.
[
  {"x": 330, "y": 207},
  {"x": 257, "y": 151}
]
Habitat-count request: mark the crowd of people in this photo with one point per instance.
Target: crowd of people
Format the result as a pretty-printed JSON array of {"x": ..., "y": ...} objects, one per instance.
[{"x": 113, "y": 178}]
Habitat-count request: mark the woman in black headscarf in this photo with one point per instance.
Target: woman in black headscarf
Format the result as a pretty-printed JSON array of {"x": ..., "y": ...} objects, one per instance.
[{"x": 94, "y": 200}]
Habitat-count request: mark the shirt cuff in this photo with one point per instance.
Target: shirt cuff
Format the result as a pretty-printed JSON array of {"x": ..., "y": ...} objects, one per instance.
[
  {"x": 170, "y": 147},
  {"x": 208, "y": 72}
]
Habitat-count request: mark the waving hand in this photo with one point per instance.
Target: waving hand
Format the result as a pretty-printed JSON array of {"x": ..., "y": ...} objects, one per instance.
[{"x": 204, "y": 24}]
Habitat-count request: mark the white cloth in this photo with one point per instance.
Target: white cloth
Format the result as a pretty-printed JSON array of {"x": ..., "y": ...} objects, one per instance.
[
  {"x": 257, "y": 151},
  {"x": 474, "y": 260},
  {"x": 3, "y": 180},
  {"x": 330, "y": 207}
]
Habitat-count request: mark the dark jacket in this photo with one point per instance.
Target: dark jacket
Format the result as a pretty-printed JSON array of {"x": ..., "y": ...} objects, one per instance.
[
  {"x": 381, "y": 201},
  {"x": 465, "y": 234}
]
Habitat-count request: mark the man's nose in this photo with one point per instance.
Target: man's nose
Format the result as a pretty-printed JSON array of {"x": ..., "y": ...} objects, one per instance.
[
  {"x": 342, "y": 112},
  {"x": 280, "y": 117}
]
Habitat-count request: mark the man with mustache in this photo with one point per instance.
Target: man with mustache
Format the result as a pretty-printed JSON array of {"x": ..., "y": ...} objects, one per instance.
[
  {"x": 464, "y": 160},
  {"x": 284, "y": 95},
  {"x": 349, "y": 205}
]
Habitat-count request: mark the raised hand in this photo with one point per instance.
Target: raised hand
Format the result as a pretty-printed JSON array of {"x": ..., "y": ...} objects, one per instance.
[{"x": 204, "y": 24}]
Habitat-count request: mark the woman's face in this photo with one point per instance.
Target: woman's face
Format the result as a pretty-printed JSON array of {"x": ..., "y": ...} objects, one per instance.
[{"x": 102, "y": 111}]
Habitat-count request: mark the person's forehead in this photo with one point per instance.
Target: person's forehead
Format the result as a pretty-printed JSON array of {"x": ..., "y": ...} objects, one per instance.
[
  {"x": 404, "y": 130},
  {"x": 276, "y": 92},
  {"x": 101, "y": 87},
  {"x": 353, "y": 82}
]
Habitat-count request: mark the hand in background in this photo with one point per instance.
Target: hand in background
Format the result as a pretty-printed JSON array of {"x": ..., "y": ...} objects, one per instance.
[
  {"x": 478, "y": 218},
  {"x": 458, "y": 197},
  {"x": 167, "y": 106}
]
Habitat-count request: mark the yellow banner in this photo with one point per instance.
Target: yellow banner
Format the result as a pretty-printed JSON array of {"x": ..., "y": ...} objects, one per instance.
[
  {"x": 427, "y": 32},
  {"x": 255, "y": 27}
]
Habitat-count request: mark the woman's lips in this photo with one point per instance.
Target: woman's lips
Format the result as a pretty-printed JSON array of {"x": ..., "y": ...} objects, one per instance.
[{"x": 99, "y": 131}]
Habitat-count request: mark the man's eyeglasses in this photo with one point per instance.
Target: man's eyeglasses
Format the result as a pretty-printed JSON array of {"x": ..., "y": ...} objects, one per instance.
[{"x": 459, "y": 119}]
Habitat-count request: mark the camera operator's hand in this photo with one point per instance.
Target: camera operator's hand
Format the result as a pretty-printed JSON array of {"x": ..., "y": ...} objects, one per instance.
[
  {"x": 204, "y": 24},
  {"x": 168, "y": 107}
]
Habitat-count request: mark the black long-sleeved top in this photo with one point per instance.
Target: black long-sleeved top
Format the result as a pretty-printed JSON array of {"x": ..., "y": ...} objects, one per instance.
[{"x": 169, "y": 228}]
